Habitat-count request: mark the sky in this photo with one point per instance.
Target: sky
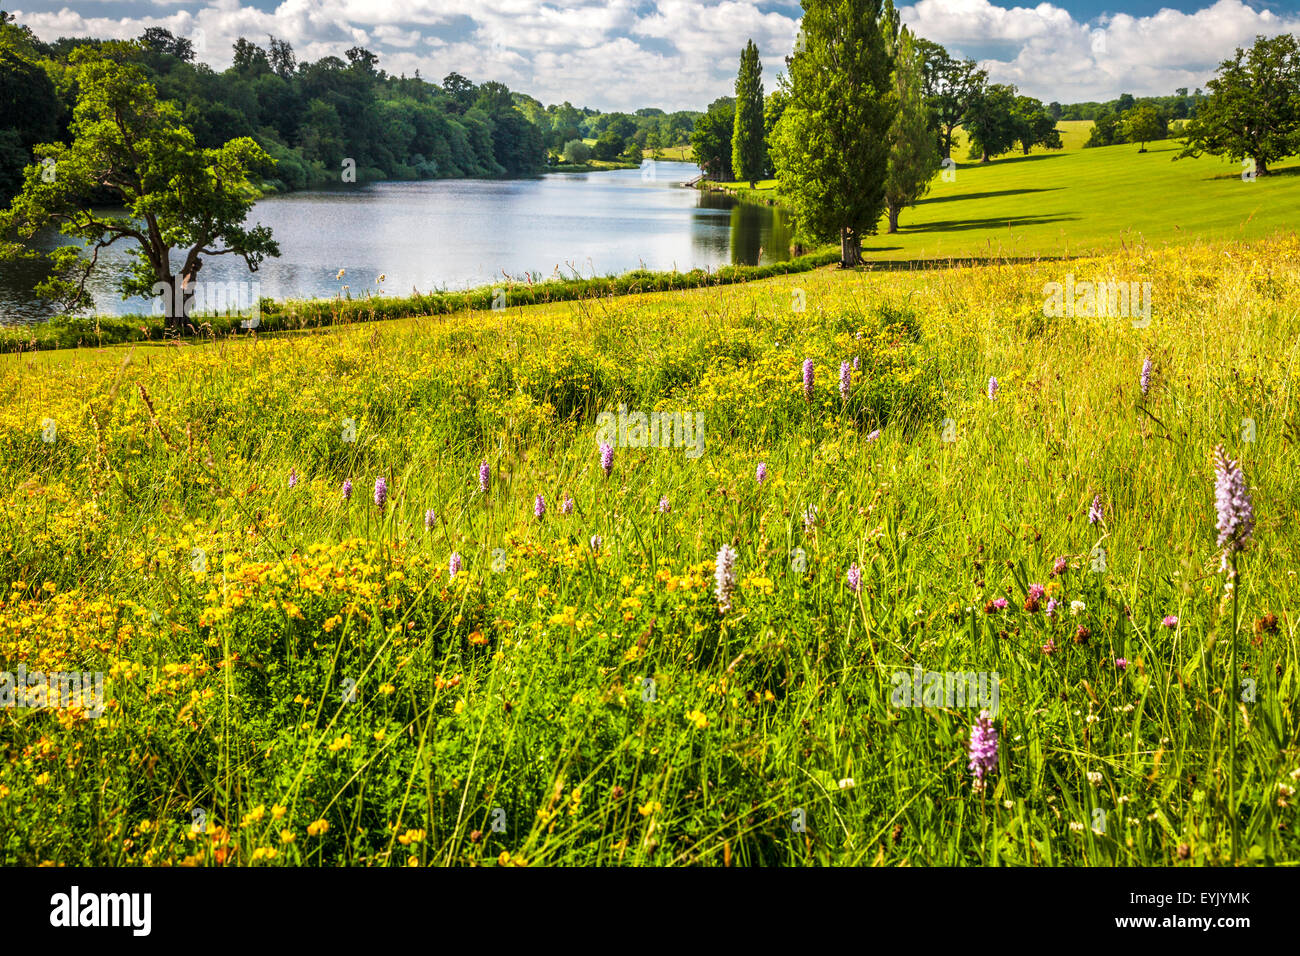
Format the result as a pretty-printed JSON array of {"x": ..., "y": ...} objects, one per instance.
[{"x": 682, "y": 54}]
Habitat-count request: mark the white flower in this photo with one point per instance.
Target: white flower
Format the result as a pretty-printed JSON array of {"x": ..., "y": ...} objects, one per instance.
[
  {"x": 846, "y": 783},
  {"x": 1076, "y": 826},
  {"x": 1094, "y": 778},
  {"x": 1077, "y": 608}
]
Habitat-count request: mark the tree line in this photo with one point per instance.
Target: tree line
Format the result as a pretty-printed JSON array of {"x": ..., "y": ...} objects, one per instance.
[{"x": 335, "y": 119}]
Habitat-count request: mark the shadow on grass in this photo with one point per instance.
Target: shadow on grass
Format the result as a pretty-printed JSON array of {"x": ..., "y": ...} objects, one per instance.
[
  {"x": 919, "y": 265},
  {"x": 987, "y": 195},
  {"x": 994, "y": 222},
  {"x": 1272, "y": 174},
  {"x": 1033, "y": 157}
]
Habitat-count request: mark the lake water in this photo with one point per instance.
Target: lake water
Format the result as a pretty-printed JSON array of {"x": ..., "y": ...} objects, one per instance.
[{"x": 460, "y": 233}]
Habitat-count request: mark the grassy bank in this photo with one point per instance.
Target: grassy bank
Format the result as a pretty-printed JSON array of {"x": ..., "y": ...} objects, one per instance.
[
  {"x": 321, "y": 313},
  {"x": 307, "y": 676}
]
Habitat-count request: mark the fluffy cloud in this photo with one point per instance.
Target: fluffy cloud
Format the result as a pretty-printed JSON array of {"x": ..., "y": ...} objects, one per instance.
[{"x": 681, "y": 54}]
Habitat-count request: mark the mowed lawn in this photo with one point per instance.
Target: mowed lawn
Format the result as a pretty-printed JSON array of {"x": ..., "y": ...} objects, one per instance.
[{"x": 1076, "y": 201}]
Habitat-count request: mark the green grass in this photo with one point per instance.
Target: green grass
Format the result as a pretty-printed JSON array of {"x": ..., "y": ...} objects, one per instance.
[
  {"x": 520, "y": 684},
  {"x": 1077, "y": 201}
]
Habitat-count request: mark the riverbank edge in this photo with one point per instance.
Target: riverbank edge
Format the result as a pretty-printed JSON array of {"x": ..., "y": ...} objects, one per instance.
[
  {"x": 296, "y": 315},
  {"x": 739, "y": 193}
]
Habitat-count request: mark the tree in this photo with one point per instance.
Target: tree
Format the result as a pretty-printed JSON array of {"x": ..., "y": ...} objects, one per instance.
[
  {"x": 748, "y": 150},
  {"x": 494, "y": 98},
  {"x": 576, "y": 151},
  {"x": 1105, "y": 130},
  {"x": 991, "y": 122},
  {"x": 1035, "y": 125},
  {"x": 1253, "y": 110},
  {"x": 773, "y": 107},
  {"x": 832, "y": 146},
  {"x": 249, "y": 58},
  {"x": 913, "y": 151},
  {"x": 711, "y": 138},
  {"x": 609, "y": 146},
  {"x": 130, "y": 147},
  {"x": 951, "y": 86},
  {"x": 460, "y": 91},
  {"x": 1143, "y": 124},
  {"x": 162, "y": 41},
  {"x": 281, "y": 57}
]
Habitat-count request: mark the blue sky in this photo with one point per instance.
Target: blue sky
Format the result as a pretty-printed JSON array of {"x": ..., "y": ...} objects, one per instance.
[{"x": 681, "y": 54}]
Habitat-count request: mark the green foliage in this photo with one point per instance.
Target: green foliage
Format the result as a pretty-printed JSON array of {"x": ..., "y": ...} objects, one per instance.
[
  {"x": 1253, "y": 111},
  {"x": 832, "y": 147},
  {"x": 609, "y": 146},
  {"x": 951, "y": 87},
  {"x": 913, "y": 152},
  {"x": 711, "y": 138},
  {"x": 748, "y": 149},
  {"x": 991, "y": 122},
  {"x": 1142, "y": 124},
  {"x": 1035, "y": 125},
  {"x": 576, "y": 151},
  {"x": 131, "y": 148}
]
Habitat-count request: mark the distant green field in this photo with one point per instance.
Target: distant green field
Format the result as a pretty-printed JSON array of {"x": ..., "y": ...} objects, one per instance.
[{"x": 1075, "y": 200}]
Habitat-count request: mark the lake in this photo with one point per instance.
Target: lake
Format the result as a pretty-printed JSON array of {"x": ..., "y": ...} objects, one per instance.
[{"x": 459, "y": 233}]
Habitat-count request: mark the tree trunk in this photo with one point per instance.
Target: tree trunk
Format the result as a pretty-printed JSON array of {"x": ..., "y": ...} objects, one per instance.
[
  {"x": 894, "y": 210},
  {"x": 850, "y": 248},
  {"x": 1261, "y": 167},
  {"x": 179, "y": 301},
  {"x": 986, "y": 157}
]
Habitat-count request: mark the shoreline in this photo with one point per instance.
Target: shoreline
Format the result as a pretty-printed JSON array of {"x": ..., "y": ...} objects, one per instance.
[{"x": 297, "y": 315}]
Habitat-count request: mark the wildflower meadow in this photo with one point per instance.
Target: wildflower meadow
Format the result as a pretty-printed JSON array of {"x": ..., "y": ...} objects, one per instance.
[{"x": 938, "y": 579}]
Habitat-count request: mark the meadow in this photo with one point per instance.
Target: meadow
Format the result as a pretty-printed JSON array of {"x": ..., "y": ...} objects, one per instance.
[
  {"x": 1077, "y": 201},
  {"x": 330, "y": 637}
]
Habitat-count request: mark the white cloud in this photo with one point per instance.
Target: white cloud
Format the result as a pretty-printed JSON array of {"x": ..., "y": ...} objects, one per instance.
[{"x": 682, "y": 54}]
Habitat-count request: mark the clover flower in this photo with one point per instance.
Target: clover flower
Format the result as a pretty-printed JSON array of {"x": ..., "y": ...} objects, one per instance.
[{"x": 665, "y": 506}]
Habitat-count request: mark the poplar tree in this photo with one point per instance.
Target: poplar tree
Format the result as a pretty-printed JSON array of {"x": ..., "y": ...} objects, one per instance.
[
  {"x": 748, "y": 149},
  {"x": 832, "y": 144},
  {"x": 913, "y": 150}
]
